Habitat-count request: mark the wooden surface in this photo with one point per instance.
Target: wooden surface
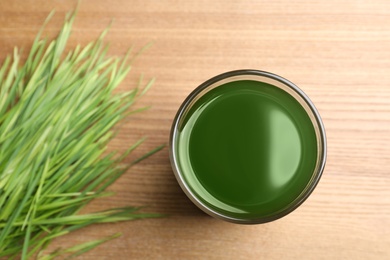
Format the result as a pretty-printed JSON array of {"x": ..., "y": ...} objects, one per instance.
[{"x": 337, "y": 51}]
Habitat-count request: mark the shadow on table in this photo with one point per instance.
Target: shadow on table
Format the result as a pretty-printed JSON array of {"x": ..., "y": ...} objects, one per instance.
[{"x": 175, "y": 202}]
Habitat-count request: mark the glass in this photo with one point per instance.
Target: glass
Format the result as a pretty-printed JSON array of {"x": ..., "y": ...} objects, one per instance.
[{"x": 247, "y": 146}]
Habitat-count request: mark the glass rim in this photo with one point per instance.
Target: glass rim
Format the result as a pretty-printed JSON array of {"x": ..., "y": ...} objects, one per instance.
[{"x": 277, "y": 81}]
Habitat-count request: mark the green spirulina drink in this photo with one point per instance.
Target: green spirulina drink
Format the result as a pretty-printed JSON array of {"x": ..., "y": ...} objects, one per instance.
[{"x": 245, "y": 150}]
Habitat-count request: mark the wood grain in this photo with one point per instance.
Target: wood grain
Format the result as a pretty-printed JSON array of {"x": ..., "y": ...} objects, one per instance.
[{"x": 338, "y": 52}]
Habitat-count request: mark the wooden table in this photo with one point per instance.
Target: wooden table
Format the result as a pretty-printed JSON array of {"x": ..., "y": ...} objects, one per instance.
[{"x": 337, "y": 51}]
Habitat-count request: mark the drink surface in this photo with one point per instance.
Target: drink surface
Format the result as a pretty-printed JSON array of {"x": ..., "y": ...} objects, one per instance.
[{"x": 246, "y": 149}]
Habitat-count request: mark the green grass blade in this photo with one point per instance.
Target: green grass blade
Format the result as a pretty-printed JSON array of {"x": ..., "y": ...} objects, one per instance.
[{"x": 58, "y": 111}]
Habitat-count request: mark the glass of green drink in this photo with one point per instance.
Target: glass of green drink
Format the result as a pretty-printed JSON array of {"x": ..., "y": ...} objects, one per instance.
[{"x": 247, "y": 146}]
